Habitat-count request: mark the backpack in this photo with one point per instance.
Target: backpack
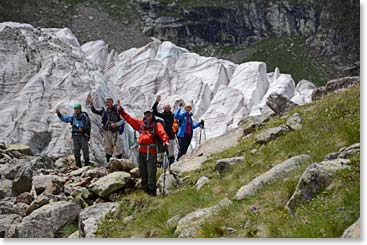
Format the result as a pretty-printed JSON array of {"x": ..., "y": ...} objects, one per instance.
[
  {"x": 175, "y": 126},
  {"x": 88, "y": 124}
]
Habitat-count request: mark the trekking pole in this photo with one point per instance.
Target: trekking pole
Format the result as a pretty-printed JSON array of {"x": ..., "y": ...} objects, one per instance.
[
  {"x": 164, "y": 174},
  {"x": 204, "y": 134},
  {"x": 200, "y": 136}
]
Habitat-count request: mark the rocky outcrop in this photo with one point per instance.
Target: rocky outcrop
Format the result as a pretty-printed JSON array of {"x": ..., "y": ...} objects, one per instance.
[
  {"x": 279, "y": 103},
  {"x": 353, "y": 231},
  {"x": 270, "y": 134},
  {"x": 314, "y": 179},
  {"x": 41, "y": 182},
  {"x": 335, "y": 85},
  {"x": 188, "y": 226},
  {"x": 89, "y": 218},
  {"x": 345, "y": 152},
  {"x": 222, "y": 165},
  {"x": 6, "y": 221},
  {"x": 187, "y": 165},
  {"x": 274, "y": 173},
  {"x": 46, "y": 221}
]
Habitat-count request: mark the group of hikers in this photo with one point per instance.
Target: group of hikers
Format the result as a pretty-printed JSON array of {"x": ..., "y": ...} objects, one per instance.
[{"x": 158, "y": 134}]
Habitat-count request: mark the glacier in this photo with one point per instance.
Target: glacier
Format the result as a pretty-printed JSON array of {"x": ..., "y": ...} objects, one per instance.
[{"x": 43, "y": 69}]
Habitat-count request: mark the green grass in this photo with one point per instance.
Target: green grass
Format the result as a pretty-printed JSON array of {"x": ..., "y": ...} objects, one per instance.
[
  {"x": 68, "y": 229},
  {"x": 329, "y": 124},
  {"x": 290, "y": 55}
]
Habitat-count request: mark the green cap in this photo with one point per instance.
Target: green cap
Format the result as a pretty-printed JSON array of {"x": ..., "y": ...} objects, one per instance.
[{"x": 78, "y": 106}]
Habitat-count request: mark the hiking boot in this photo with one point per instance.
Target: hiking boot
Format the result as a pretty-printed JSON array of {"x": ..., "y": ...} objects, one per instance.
[{"x": 108, "y": 156}]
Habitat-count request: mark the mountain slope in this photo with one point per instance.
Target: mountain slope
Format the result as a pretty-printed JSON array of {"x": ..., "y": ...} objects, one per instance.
[{"x": 329, "y": 124}]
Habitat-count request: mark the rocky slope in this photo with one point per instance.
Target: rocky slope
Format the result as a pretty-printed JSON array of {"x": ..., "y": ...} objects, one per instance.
[
  {"x": 45, "y": 69},
  {"x": 327, "y": 30}
]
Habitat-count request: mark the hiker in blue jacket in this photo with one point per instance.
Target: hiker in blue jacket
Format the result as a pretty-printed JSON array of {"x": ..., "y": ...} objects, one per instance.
[
  {"x": 80, "y": 132},
  {"x": 186, "y": 128}
]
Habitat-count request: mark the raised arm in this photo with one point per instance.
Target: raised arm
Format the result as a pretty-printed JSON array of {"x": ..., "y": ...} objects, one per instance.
[
  {"x": 95, "y": 111},
  {"x": 66, "y": 119},
  {"x": 155, "y": 111},
  {"x": 134, "y": 122}
]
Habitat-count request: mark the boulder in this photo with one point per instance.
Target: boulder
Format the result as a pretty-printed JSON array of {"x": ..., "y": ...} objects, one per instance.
[
  {"x": 54, "y": 188},
  {"x": 21, "y": 174},
  {"x": 41, "y": 182},
  {"x": 270, "y": 134},
  {"x": 42, "y": 162},
  {"x": 253, "y": 123},
  {"x": 274, "y": 173},
  {"x": 80, "y": 196},
  {"x": 124, "y": 165},
  {"x": 171, "y": 183},
  {"x": 80, "y": 171},
  {"x": 25, "y": 197},
  {"x": 20, "y": 209},
  {"x": 279, "y": 103},
  {"x": 46, "y": 221},
  {"x": 110, "y": 183},
  {"x": 353, "y": 231},
  {"x": 90, "y": 217},
  {"x": 188, "y": 226},
  {"x": 74, "y": 235},
  {"x": 95, "y": 173},
  {"x": 6, "y": 221},
  {"x": 345, "y": 152},
  {"x": 294, "y": 122},
  {"x": 222, "y": 165},
  {"x": 42, "y": 200},
  {"x": 23, "y": 149},
  {"x": 203, "y": 180},
  {"x": 187, "y": 165},
  {"x": 135, "y": 173},
  {"x": 314, "y": 179}
]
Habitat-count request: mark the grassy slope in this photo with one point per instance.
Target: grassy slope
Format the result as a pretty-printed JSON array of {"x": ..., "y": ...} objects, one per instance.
[{"x": 329, "y": 124}]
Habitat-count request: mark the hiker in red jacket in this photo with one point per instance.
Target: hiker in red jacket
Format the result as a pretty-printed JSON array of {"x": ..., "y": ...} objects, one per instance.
[{"x": 149, "y": 131}]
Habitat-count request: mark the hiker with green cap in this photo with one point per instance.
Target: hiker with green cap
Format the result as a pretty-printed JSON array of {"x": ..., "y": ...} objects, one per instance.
[{"x": 80, "y": 132}]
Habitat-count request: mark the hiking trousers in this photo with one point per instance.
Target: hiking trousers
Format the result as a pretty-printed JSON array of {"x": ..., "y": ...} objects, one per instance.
[
  {"x": 80, "y": 142},
  {"x": 183, "y": 145},
  {"x": 112, "y": 142},
  {"x": 148, "y": 171}
]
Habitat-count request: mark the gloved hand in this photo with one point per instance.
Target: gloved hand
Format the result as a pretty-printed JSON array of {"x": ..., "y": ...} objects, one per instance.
[{"x": 202, "y": 123}]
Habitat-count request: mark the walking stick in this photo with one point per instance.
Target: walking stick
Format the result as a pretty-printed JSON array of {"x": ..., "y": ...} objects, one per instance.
[
  {"x": 200, "y": 136},
  {"x": 165, "y": 166}
]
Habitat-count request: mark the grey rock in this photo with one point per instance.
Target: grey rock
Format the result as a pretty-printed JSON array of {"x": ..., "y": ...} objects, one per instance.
[
  {"x": 203, "y": 180},
  {"x": 46, "y": 221},
  {"x": 294, "y": 122},
  {"x": 189, "y": 225},
  {"x": 90, "y": 217},
  {"x": 23, "y": 149},
  {"x": 110, "y": 183},
  {"x": 6, "y": 221},
  {"x": 40, "y": 182},
  {"x": 24, "y": 197},
  {"x": 171, "y": 183},
  {"x": 95, "y": 172},
  {"x": 223, "y": 164},
  {"x": 6, "y": 188},
  {"x": 74, "y": 235},
  {"x": 135, "y": 173},
  {"x": 270, "y": 134},
  {"x": 279, "y": 103},
  {"x": 128, "y": 219},
  {"x": 80, "y": 171},
  {"x": 335, "y": 85},
  {"x": 20, "y": 209},
  {"x": 172, "y": 222},
  {"x": 120, "y": 165},
  {"x": 345, "y": 152},
  {"x": 314, "y": 179},
  {"x": 6, "y": 206},
  {"x": 187, "y": 165},
  {"x": 274, "y": 173},
  {"x": 353, "y": 231}
]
